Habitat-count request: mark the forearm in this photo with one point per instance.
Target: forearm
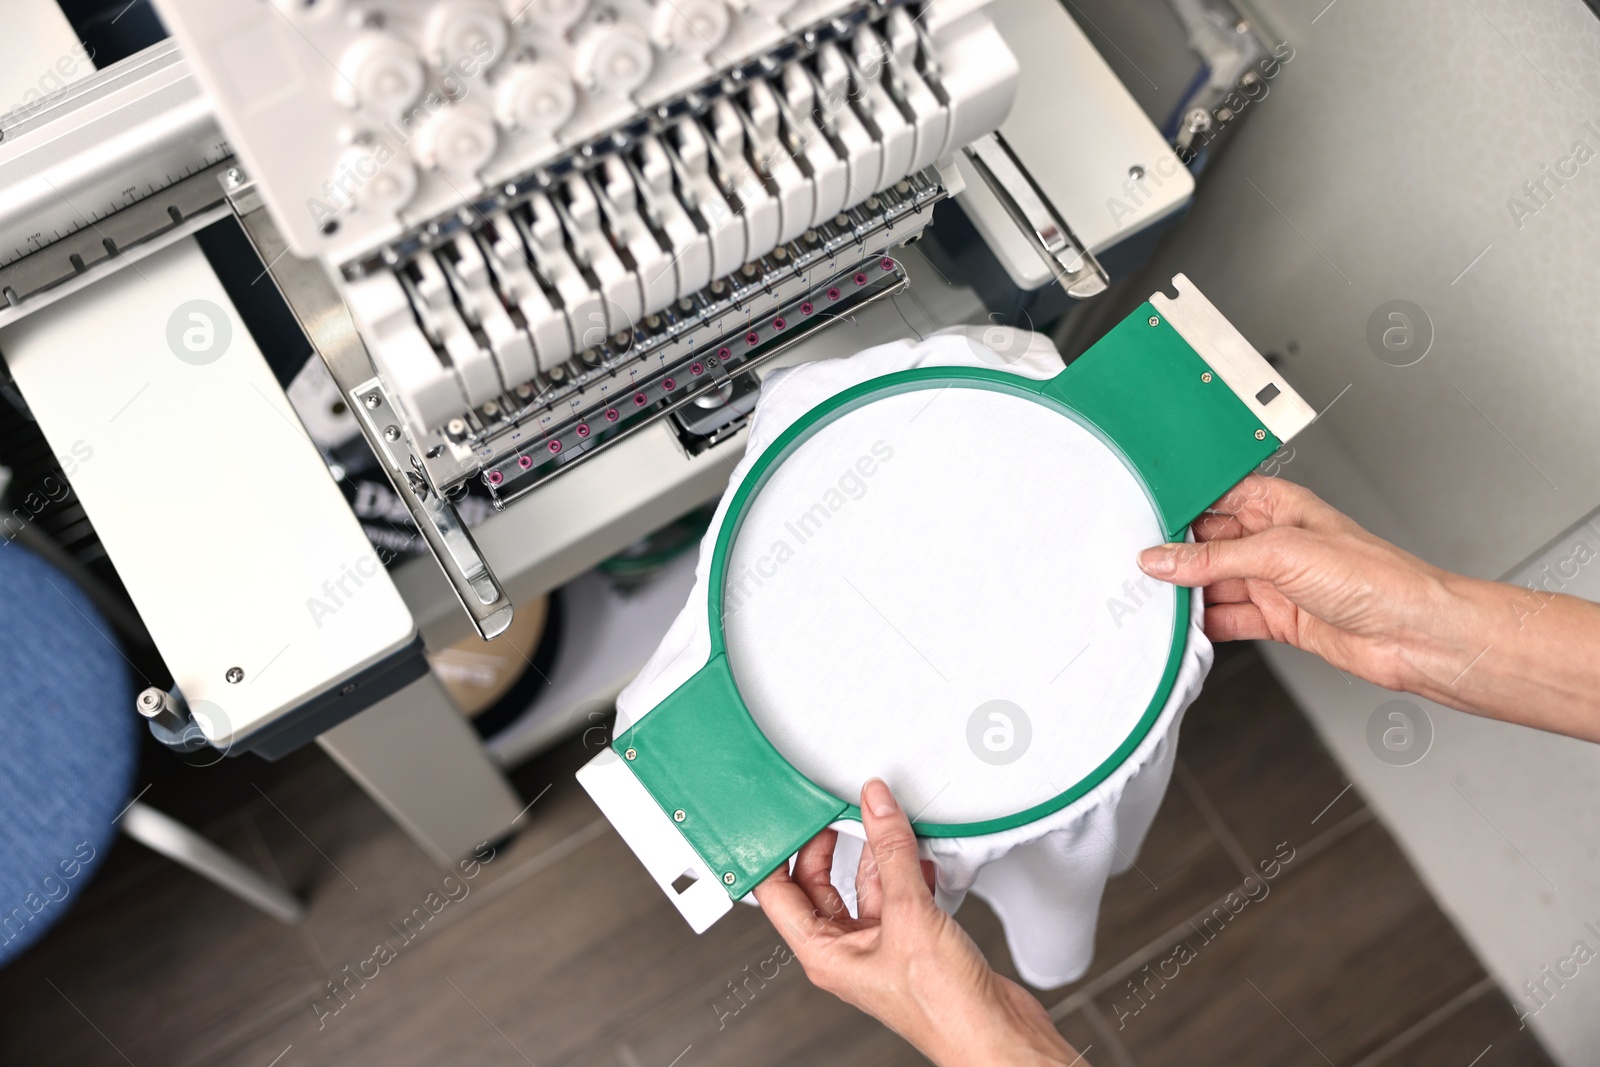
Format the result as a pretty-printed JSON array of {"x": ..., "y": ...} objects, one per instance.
[
  {"x": 1033, "y": 1047},
  {"x": 1006, "y": 1026},
  {"x": 1521, "y": 655}
]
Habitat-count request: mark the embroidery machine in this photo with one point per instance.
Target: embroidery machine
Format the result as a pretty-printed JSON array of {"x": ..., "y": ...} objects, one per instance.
[{"x": 544, "y": 247}]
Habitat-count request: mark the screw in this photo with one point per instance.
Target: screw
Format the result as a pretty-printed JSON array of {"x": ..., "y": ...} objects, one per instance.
[
  {"x": 156, "y": 706},
  {"x": 235, "y": 176},
  {"x": 679, "y": 815},
  {"x": 1261, "y": 435},
  {"x": 631, "y": 753},
  {"x": 1136, "y": 173},
  {"x": 1241, "y": 27},
  {"x": 1154, "y": 321},
  {"x": 235, "y": 675},
  {"x": 729, "y": 878},
  {"x": 373, "y": 400},
  {"x": 392, "y": 433},
  {"x": 1205, "y": 376}
]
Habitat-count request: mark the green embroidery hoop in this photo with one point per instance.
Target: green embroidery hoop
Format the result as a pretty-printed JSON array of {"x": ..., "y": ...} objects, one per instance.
[{"x": 1186, "y": 426}]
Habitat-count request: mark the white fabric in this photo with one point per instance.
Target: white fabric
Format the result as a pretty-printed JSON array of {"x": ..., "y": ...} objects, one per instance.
[
  {"x": 1040, "y": 605},
  {"x": 927, "y": 580}
]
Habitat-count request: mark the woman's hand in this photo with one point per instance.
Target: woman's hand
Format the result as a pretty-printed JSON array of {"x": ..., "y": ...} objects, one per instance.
[
  {"x": 1276, "y": 562},
  {"x": 904, "y": 961}
]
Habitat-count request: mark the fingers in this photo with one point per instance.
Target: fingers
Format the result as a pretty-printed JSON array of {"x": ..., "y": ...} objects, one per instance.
[
  {"x": 893, "y": 845},
  {"x": 789, "y": 908},
  {"x": 1254, "y": 492},
  {"x": 869, "y": 887},
  {"x": 1270, "y": 555},
  {"x": 1214, "y": 526},
  {"x": 1228, "y": 591},
  {"x": 801, "y": 904},
  {"x": 1259, "y": 502},
  {"x": 813, "y": 872},
  {"x": 1236, "y": 622}
]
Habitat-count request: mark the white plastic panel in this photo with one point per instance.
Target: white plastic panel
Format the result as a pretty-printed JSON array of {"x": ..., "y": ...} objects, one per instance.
[
  {"x": 655, "y": 840},
  {"x": 233, "y": 541}
]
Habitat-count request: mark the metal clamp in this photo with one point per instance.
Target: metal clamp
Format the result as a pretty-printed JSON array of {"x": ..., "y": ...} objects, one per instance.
[
  {"x": 436, "y": 518},
  {"x": 1079, "y": 273}
]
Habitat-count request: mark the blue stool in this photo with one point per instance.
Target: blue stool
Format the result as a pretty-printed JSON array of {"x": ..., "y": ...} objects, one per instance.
[
  {"x": 70, "y": 754},
  {"x": 71, "y": 740}
]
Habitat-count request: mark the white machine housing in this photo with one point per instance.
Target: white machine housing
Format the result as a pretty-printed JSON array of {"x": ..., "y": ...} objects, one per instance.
[
  {"x": 549, "y": 219},
  {"x": 518, "y": 234}
]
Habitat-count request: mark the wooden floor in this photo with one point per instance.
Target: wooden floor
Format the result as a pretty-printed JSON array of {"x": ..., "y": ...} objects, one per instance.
[{"x": 561, "y": 951}]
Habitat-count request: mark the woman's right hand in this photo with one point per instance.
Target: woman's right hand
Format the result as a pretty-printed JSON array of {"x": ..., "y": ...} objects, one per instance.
[{"x": 1278, "y": 563}]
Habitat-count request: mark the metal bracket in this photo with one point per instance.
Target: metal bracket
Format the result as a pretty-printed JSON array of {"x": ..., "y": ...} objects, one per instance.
[
  {"x": 435, "y": 516},
  {"x": 1078, "y": 272}
]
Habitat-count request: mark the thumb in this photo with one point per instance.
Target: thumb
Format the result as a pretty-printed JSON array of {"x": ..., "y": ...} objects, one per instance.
[
  {"x": 1269, "y": 555},
  {"x": 893, "y": 844}
]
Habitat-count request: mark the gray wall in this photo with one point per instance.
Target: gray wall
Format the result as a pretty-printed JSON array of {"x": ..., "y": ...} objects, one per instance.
[{"x": 1380, "y": 166}]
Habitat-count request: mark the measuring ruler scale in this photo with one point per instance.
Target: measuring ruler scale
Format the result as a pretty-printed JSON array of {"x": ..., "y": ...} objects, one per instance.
[
  {"x": 927, "y": 557},
  {"x": 103, "y": 173}
]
